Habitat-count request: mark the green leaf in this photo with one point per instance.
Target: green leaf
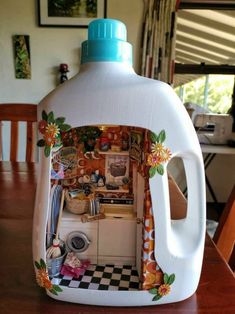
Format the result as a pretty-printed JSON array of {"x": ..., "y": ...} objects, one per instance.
[
  {"x": 43, "y": 264},
  {"x": 41, "y": 143},
  {"x": 65, "y": 127},
  {"x": 153, "y": 291},
  {"x": 152, "y": 171},
  {"x": 160, "y": 169},
  {"x": 162, "y": 136},
  {"x": 50, "y": 118},
  {"x": 59, "y": 120},
  {"x": 171, "y": 279},
  {"x": 57, "y": 288},
  {"x": 47, "y": 151},
  {"x": 165, "y": 278},
  {"x": 156, "y": 297},
  {"x": 44, "y": 115},
  {"x": 153, "y": 137},
  {"x": 37, "y": 265},
  {"x": 53, "y": 292}
]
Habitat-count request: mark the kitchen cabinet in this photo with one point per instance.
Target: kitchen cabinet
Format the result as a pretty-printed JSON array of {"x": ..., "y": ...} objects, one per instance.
[{"x": 117, "y": 241}]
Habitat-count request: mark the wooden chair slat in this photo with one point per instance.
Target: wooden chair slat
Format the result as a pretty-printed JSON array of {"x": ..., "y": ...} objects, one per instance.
[
  {"x": 29, "y": 142},
  {"x": 14, "y": 141},
  {"x": 16, "y": 113},
  {"x": 225, "y": 234}
]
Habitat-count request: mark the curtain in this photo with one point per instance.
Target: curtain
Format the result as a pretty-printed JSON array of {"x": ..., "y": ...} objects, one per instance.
[{"x": 158, "y": 39}]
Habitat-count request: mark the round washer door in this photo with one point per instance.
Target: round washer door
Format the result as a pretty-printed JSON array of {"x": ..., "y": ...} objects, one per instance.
[{"x": 77, "y": 241}]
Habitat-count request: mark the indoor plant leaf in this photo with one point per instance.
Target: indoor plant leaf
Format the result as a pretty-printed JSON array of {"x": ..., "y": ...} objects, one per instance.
[
  {"x": 44, "y": 115},
  {"x": 41, "y": 143},
  {"x": 171, "y": 279},
  {"x": 37, "y": 265},
  {"x": 50, "y": 118},
  {"x": 165, "y": 278},
  {"x": 53, "y": 292},
  {"x": 59, "y": 121},
  {"x": 153, "y": 137},
  {"x": 160, "y": 169},
  {"x": 156, "y": 297},
  {"x": 153, "y": 290},
  {"x": 152, "y": 171},
  {"x": 162, "y": 136},
  {"x": 47, "y": 151},
  {"x": 65, "y": 127},
  {"x": 57, "y": 288},
  {"x": 42, "y": 264}
]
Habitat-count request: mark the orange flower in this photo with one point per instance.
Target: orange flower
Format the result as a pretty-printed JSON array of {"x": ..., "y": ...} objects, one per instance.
[
  {"x": 49, "y": 139},
  {"x": 53, "y": 129},
  {"x": 164, "y": 289},
  {"x": 47, "y": 284},
  {"x": 43, "y": 279},
  {"x": 153, "y": 160},
  {"x": 42, "y": 126}
]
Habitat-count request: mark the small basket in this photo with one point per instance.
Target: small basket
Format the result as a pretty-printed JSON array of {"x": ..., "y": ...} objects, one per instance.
[{"x": 75, "y": 205}]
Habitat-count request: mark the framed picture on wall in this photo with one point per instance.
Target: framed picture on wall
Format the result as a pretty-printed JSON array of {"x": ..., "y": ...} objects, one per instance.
[{"x": 70, "y": 13}]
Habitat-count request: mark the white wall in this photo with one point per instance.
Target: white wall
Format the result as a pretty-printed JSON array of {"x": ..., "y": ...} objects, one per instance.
[{"x": 50, "y": 46}]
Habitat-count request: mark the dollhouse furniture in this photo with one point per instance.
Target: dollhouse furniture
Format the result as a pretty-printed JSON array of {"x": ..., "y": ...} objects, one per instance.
[
  {"x": 16, "y": 113},
  {"x": 215, "y": 293}
]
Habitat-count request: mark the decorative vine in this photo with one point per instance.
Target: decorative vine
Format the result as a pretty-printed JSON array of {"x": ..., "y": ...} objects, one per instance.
[
  {"x": 159, "y": 154},
  {"x": 163, "y": 289},
  {"x": 43, "y": 278},
  {"x": 51, "y": 128}
]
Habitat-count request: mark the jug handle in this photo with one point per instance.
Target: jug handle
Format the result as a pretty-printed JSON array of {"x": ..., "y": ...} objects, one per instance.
[{"x": 180, "y": 237}]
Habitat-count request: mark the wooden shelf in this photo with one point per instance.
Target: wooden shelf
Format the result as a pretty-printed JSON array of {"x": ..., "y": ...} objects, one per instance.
[
  {"x": 103, "y": 189},
  {"x": 110, "y": 152}
]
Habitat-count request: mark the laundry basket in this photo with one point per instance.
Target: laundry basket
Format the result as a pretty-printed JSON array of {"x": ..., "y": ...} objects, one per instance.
[{"x": 75, "y": 205}]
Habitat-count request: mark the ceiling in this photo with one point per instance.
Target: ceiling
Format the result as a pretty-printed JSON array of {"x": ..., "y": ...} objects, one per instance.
[{"x": 204, "y": 36}]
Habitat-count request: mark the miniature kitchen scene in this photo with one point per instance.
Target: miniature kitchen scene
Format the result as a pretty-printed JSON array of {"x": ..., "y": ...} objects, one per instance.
[{"x": 100, "y": 225}]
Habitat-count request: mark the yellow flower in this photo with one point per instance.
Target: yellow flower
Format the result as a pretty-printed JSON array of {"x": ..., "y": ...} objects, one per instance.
[
  {"x": 52, "y": 129},
  {"x": 153, "y": 160},
  {"x": 156, "y": 148},
  {"x": 165, "y": 154},
  {"x": 164, "y": 289}
]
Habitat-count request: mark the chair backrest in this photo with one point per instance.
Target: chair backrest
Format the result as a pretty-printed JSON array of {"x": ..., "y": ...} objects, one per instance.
[
  {"x": 224, "y": 237},
  {"x": 16, "y": 113}
]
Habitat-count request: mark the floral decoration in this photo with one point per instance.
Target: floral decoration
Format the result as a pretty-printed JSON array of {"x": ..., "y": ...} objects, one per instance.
[
  {"x": 164, "y": 288},
  {"x": 159, "y": 154},
  {"x": 51, "y": 128},
  {"x": 43, "y": 278}
]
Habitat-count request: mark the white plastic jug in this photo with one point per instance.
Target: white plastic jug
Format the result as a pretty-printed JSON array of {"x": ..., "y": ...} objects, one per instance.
[{"x": 107, "y": 91}]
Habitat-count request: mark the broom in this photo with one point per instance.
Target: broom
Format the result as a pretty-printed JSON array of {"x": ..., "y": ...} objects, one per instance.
[{"x": 54, "y": 251}]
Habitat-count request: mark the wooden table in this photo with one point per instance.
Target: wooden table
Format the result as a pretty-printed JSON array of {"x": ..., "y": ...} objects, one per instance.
[{"x": 19, "y": 292}]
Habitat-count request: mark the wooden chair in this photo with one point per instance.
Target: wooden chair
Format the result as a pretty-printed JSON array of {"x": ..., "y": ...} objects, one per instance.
[
  {"x": 16, "y": 113},
  {"x": 224, "y": 237}
]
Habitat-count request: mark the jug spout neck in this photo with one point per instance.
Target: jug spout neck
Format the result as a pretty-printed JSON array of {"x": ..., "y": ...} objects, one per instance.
[{"x": 107, "y": 67}]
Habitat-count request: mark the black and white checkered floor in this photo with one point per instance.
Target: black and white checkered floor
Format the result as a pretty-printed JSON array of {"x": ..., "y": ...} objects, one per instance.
[{"x": 108, "y": 277}]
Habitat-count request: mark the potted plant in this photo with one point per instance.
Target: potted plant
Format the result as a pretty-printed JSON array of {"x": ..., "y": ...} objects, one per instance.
[{"x": 88, "y": 135}]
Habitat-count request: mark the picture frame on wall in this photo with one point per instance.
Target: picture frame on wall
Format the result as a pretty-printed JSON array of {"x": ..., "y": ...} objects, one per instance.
[{"x": 70, "y": 13}]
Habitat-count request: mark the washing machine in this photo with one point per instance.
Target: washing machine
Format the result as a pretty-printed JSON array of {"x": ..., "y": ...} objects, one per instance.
[{"x": 80, "y": 237}]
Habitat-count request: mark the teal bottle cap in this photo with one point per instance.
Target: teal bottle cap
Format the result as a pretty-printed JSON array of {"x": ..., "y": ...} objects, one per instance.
[{"x": 106, "y": 42}]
